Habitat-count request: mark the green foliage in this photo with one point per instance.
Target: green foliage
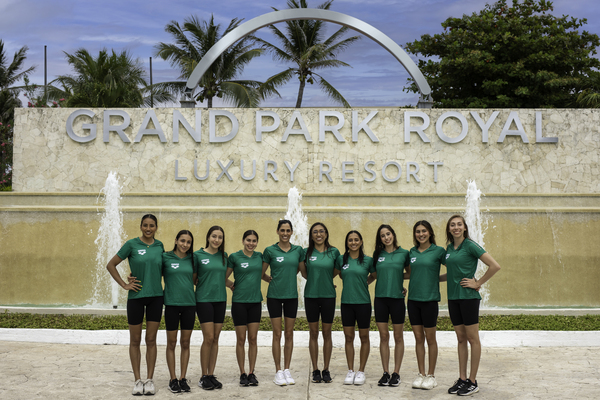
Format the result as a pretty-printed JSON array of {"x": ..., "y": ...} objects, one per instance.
[
  {"x": 486, "y": 322},
  {"x": 192, "y": 42},
  {"x": 6, "y": 155},
  {"x": 304, "y": 45},
  {"x": 508, "y": 56}
]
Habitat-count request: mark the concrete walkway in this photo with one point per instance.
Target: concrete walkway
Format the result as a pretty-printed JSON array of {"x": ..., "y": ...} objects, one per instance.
[{"x": 32, "y": 370}]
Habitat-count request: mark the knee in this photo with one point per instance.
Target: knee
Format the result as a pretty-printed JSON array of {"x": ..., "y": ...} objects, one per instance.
[
  {"x": 364, "y": 339},
  {"x": 384, "y": 336},
  {"x": 277, "y": 335},
  {"x": 185, "y": 344},
  {"x": 171, "y": 345},
  {"x": 461, "y": 338},
  {"x": 419, "y": 340},
  {"x": 289, "y": 336},
  {"x": 150, "y": 341},
  {"x": 252, "y": 340},
  {"x": 349, "y": 338},
  {"x": 208, "y": 340},
  {"x": 314, "y": 334}
]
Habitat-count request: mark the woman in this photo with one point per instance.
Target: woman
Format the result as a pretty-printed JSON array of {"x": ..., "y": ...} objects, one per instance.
[
  {"x": 211, "y": 299},
  {"x": 423, "y": 297},
  {"x": 390, "y": 261},
  {"x": 246, "y": 266},
  {"x": 145, "y": 296},
  {"x": 317, "y": 268},
  {"x": 462, "y": 255},
  {"x": 283, "y": 258},
  {"x": 179, "y": 273},
  {"x": 354, "y": 268}
]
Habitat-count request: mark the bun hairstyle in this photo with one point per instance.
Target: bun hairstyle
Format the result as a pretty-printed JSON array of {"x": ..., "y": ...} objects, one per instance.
[
  {"x": 152, "y": 217},
  {"x": 427, "y": 226}
]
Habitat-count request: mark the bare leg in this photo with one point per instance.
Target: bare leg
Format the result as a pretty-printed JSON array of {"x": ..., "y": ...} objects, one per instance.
[
  {"x": 208, "y": 338},
  {"x": 327, "y": 345},
  {"x": 384, "y": 345},
  {"x": 214, "y": 351},
  {"x": 463, "y": 350},
  {"x": 135, "y": 354},
  {"x": 252, "y": 345},
  {"x": 420, "y": 347},
  {"x": 240, "y": 334},
  {"x": 349, "y": 346},
  {"x": 473, "y": 339},
  {"x": 276, "y": 345},
  {"x": 184, "y": 342},
  {"x": 288, "y": 346},
  {"x": 365, "y": 348},
  {"x": 171, "y": 344},
  {"x": 433, "y": 349},
  {"x": 151, "y": 332},
  {"x": 313, "y": 344},
  {"x": 399, "y": 349}
]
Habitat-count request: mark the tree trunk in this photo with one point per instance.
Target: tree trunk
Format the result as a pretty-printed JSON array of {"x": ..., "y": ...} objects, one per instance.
[
  {"x": 209, "y": 102},
  {"x": 300, "y": 93}
]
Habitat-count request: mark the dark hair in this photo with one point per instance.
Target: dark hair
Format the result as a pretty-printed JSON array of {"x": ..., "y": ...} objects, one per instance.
[
  {"x": 283, "y": 222},
  {"x": 427, "y": 226},
  {"x": 152, "y": 217},
  {"x": 248, "y": 233},
  {"x": 379, "y": 246},
  {"x": 311, "y": 242},
  {"x": 361, "y": 251},
  {"x": 222, "y": 246},
  {"x": 191, "y": 249},
  {"x": 449, "y": 237}
]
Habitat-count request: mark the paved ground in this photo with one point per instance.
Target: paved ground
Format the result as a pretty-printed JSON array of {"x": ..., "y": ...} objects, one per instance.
[{"x": 31, "y": 370}]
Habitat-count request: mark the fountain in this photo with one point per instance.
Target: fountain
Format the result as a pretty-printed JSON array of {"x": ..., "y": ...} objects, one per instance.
[
  {"x": 476, "y": 224},
  {"x": 300, "y": 236},
  {"x": 110, "y": 239}
]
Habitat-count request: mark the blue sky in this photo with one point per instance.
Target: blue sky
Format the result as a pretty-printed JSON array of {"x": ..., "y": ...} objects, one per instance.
[{"x": 375, "y": 79}]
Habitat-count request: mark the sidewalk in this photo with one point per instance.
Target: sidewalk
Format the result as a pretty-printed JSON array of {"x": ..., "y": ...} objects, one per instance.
[{"x": 32, "y": 370}]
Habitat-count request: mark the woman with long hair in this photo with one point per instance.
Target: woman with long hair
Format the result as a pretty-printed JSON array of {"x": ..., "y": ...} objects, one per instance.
[
  {"x": 462, "y": 255},
  {"x": 355, "y": 269},
  {"x": 211, "y": 300},
  {"x": 145, "y": 296},
  {"x": 423, "y": 297},
  {"x": 283, "y": 258},
  {"x": 179, "y": 272},
  {"x": 390, "y": 262},
  {"x": 317, "y": 267},
  {"x": 246, "y": 266}
]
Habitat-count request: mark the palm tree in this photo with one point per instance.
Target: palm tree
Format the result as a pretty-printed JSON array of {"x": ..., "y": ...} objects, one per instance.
[
  {"x": 303, "y": 45},
  {"x": 9, "y": 75},
  {"x": 108, "y": 80},
  {"x": 192, "y": 42}
]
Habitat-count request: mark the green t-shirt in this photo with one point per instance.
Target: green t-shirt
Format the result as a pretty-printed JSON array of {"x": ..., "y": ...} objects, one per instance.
[
  {"x": 424, "y": 282},
  {"x": 211, "y": 276},
  {"x": 247, "y": 272},
  {"x": 462, "y": 263},
  {"x": 179, "y": 284},
  {"x": 390, "y": 273},
  {"x": 319, "y": 273},
  {"x": 284, "y": 268},
  {"x": 354, "y": 277},
  {"x": 145, "y": 262}
]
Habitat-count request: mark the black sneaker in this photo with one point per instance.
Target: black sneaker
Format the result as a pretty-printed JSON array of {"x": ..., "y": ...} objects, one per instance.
[
  {"x": 205, "y": 383},
  {"x": 395, "y": 379},
  {"x": 243, "y": 379},
  {"x": 316, "y": 378},
  {"x": 385, "y": 379},
  {"x": 174, "y": 386},
  {"x": 252, "y": 381},
  {"x": 457, "y": 385},
  {"x": 468, "y": 388},
  {"x": 215, "y": 382},
  {"x": 183, "y": 384},
  {"x": 326, "y": 376}
]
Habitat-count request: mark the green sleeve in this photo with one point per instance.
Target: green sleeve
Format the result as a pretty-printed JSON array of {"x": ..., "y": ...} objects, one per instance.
[
  {"x": 371, "y": 266},
  {"x": 125, "y": 251},
  {"x": 267, "y": 256},
  {"x": 338, "y": 263}
]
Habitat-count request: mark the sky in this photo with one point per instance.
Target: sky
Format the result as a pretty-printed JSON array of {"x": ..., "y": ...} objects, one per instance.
[{"x": 375, "y": 78}]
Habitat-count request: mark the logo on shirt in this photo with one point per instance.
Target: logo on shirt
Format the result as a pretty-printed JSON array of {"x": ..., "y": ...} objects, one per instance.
[
  {"x": 346, "y": 266},
  {"x": 313, "y": 258},
  {"x": 205, "y": 261},
  {"x": 447, "y": 256},
  {"x": 174, "y": 266},
  {"x": 412, "y": 260},
  {"x": 381, "y": 259},
  {"x": 244, "y": 265},
  {"x": 279, "y": 259},
  {"x": 142, "y": 252}
]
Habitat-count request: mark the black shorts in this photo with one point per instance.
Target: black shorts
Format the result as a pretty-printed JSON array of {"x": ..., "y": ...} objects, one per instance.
[
  {"x": 152, "y": 306},
  {"x": 386, "y": 307},
  {"x": 325, "y": 307},
  {"x": 211, "y": 311},
  {"x": 356, "y": 313},
  {"x": 464, "y": 312},
  {"x": 174, "y": 315},
  {"x": 245, "y": 313},
  {"x": 289, "y": 306},
  {"x": 423, "y": 313}
]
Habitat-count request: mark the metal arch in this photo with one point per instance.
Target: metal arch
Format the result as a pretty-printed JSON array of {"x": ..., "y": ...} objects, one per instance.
[{"x": 309, "y": 13}]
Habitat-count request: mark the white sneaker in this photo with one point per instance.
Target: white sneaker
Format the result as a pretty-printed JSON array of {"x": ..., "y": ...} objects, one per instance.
[
  {"x": 280, "y": 378},
  {"x": 288, "y": 377},
  {"x": 429, "y": 382},
  {"x": 418, "y": 382},
  {"x": 149, "y": 388},
  {"x": 138, "y": 388},
  {"x": 360, "y": 378},
  {"x": 349, "y": 377}
]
